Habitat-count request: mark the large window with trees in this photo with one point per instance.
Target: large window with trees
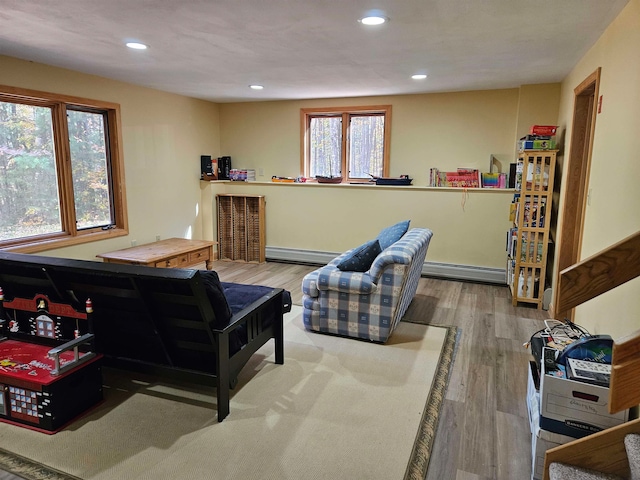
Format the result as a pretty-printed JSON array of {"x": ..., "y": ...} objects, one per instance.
[
  {"x": 347, "y": 142},
  {"x": 61, "y": 171}
]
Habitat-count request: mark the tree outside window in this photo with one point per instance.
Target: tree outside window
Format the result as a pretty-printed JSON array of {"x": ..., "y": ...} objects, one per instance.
[
  {"x": 29, "y": 199},
  {"x": 61, "y": 175},
  {"x": 352, "y": 143}
]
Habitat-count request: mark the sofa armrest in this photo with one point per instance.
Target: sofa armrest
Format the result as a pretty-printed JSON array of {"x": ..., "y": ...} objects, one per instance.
[
  {"x": 402, "y": 252},
  {"x": 310, "y": 284},
  {"x": 330, "y": 278},
  {"x": 387, "y": 258}
]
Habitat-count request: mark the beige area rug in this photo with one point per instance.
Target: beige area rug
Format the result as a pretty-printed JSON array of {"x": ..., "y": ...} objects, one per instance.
[{"x": 337, "y": 409}]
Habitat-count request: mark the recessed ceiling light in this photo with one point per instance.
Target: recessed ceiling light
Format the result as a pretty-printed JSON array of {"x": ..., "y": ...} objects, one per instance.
[
  {"x": 419, "y": 76},
  {"x": 373, "y": 20},
  {"x": 256, "y": 87},
  {"x": 137, "y": 45}
]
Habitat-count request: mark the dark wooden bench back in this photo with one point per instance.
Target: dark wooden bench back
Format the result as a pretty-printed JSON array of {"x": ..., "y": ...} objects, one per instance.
[{"x": 158, "y": 316}]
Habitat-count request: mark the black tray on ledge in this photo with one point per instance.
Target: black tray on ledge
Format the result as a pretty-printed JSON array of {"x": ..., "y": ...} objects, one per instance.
[{"x": 394, "y": 181}]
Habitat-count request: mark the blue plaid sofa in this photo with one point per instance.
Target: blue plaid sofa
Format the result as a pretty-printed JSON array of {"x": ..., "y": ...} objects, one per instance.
[{"x": 366, "y": 305}]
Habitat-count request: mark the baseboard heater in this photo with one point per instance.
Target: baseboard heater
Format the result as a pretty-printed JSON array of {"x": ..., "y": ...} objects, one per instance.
[{"x": 448, "y": 271}]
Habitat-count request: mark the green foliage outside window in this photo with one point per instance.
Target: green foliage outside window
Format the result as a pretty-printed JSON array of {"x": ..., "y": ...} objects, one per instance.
[
  {"x": 61, "y": 173},
  {"x": 89, "y": 166},
  {"x": 351, "y": 143},
  {"x": 29, "y": 201}
]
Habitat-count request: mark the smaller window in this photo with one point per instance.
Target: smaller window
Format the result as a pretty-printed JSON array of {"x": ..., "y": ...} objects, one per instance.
[{"x": 351, "y": 142}]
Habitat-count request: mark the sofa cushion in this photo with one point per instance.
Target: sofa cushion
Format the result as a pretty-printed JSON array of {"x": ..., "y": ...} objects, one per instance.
[
  {"x": 360, "y": 258},
  {"x": 392, "y": 234},
  {"x": 215, "y": 293}
]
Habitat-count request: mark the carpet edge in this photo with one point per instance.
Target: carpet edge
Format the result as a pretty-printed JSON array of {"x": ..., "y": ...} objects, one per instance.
[
  {"x": 421, "y": 453},
  {"x": 418, "y": 461},
  {"x": 30, "y": 470}
]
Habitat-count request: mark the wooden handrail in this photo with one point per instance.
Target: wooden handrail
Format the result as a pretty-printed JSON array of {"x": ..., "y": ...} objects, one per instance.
[
  {"x": 604, "y": 451},
  {"x": 624, "y": 388},
  {"x": 598, "y": 274}
]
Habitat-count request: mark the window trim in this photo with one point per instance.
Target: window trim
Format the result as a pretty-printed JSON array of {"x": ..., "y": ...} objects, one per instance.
[
  {"x": 305, "y": 118},
  {"x": 70, "y": 234}
]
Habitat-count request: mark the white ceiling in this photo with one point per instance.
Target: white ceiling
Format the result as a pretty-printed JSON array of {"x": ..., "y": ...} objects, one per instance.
[{"x": 213, "y": 49}]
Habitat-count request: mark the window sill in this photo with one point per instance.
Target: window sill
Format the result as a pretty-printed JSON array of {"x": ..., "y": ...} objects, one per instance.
[{"x": 41, "y": 245}]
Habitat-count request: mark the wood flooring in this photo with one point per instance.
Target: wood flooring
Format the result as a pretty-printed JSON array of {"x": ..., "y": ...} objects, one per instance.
[{"x": 483, "y": 431}]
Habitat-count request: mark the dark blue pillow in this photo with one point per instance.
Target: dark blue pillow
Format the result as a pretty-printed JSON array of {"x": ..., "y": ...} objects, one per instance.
[
  {"x": 392, "y": 234},
  {"x": 216, "y": 296},
  {"x": 361, "y": 258}
]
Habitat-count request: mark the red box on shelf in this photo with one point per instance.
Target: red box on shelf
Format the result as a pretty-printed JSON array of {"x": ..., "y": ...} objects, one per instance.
[{"x": 543, "y": 130}]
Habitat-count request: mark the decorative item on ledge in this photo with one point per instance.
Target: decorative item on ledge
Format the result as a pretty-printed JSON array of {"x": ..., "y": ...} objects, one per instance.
[
  {"x": 401, "y": 180},
  {"x": 242, "y": 175},
  {"x": 283, "y": 179},
  {"x": 322, "y": 179},
  {"x": 461, "y": 178}
]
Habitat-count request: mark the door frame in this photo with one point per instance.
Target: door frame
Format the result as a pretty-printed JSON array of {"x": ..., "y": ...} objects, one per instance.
[{"x": 576, "y": 180}]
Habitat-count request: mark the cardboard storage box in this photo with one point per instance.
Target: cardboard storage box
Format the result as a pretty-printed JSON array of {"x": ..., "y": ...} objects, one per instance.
[
  {"x": 575, "y": 408},
  {"x": 543, "y": 130},
  {"x": 537, "y": 144},
  {"x": 541, "y": 441}
]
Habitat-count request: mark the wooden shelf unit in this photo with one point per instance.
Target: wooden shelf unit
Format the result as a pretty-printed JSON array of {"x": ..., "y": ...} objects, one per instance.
[
  {"x": 241, "y": 227},
  {"x": 527, "y": 264}
]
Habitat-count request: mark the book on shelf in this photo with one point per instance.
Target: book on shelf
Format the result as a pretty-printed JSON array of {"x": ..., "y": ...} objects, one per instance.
[
  {"x": 461, "y": 178},
  {"x": 512, "y": 242},
  {"x": 534, "y": 214},
  {"x": 513, "y": 212},
  {"x": 494, "y": 180},
  {"x": 531, "y": 249},
  {"x": 534, "y": 211},
  {"x": 536, "y": 175}
]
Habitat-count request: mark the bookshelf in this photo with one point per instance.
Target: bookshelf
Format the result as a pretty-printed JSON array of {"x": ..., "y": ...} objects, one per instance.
[
  {"x": 241, "y": 227},
  {"x": 528, "y": 238}
]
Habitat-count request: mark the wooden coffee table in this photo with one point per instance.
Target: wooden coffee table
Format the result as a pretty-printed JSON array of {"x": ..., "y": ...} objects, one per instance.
[{"x": 169, "y": 253}]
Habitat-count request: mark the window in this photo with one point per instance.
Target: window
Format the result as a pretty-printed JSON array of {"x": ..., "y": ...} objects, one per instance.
[
  {"x": 352, "y": 142},
  {"x": 61, "y": 171}
]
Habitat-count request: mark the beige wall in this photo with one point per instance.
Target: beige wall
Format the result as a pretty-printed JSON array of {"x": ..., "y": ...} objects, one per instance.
[
  {"x": 163, "y": 138},
  {"x": 445, "y": 130},
  {"x": 614, "y": 209},
  {"x": 300, "y": 217},
  {"x": 537, "y": 103}
]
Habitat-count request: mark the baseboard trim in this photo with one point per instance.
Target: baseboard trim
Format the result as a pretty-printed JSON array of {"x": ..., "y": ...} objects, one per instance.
[
  {"x": 469, "y": 273},
  {"x": 429, "y": 269}
]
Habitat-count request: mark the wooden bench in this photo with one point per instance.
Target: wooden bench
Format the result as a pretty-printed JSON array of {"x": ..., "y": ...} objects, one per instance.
[{"x": 159, "y": 321}]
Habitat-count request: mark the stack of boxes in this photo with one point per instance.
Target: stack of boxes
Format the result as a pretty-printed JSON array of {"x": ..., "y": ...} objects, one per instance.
[
  {"x": 562, "y": 410},
  {"x": 541, "y": 137}
]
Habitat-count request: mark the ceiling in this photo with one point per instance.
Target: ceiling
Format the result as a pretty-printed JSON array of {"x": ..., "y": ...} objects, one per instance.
[{"x": 214, "y": 49}]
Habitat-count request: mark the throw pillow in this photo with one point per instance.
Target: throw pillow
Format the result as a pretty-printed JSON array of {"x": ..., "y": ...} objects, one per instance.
[
  {"x": 392, "y": 234},
  {"x": 361, "y": 258},
  {"x": 216, "y": 296}
]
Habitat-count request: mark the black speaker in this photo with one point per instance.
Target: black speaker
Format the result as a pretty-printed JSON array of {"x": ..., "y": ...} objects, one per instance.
[
  {"x": 206, "y": 167},
  {"x": 224, "y": 168}
]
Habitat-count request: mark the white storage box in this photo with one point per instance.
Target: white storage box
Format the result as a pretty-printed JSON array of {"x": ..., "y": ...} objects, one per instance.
[
  {"x": 541, "y": 441},
  {"x": 533, "y": 399},
  {"x": 575, "y": 408}
]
